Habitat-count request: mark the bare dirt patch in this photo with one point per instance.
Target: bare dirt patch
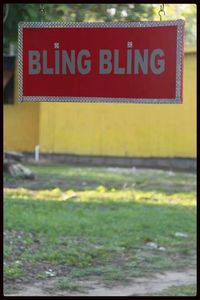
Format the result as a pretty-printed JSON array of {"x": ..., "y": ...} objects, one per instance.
[{"x": 138, "y": 286}]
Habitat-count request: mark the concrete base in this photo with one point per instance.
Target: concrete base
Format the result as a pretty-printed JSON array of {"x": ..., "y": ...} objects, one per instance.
[{"x": 175, "y": 163}]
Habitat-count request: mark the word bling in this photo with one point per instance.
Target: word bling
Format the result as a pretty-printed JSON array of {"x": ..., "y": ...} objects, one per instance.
[{"x": 72, "y": 62}]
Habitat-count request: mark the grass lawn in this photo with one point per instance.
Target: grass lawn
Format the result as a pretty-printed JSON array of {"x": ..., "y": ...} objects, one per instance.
[
  {"x": 74, "y": 223},
  {"x": 183, "y": 290}
]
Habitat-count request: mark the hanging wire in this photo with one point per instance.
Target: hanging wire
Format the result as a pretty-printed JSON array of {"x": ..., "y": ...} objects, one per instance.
[
  {"x": 42, "y": 12},
  {"x": 161, "y": 11},
  {"x": 6, "y": 12}
]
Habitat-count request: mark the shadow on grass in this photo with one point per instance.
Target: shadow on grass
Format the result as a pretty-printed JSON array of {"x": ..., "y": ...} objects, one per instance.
[{"x": 84, "y": 178}]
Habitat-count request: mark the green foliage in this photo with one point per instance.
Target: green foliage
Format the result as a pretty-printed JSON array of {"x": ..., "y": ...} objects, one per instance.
[
  {"x": 71, "y": 13},
  {"x": 188, "y": 13},
  {"x": 17, "y": 13},
  {"x": 97, "y": 12}
]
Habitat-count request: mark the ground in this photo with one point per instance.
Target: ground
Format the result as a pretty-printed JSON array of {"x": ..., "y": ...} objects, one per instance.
[{"x": 100, "y": 231}]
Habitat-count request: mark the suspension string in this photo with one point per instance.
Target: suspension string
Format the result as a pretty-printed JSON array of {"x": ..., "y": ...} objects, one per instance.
[
  {"x": 6, "y": 12},
  {"x": 161, "y": 11},
  {"x": 42, "y": 12}
]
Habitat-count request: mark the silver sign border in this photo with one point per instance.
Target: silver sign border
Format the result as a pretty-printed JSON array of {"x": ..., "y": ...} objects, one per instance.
[{"x": 179, "y": 61}]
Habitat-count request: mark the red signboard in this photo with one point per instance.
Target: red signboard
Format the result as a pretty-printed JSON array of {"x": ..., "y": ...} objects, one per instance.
[{"x": 134, "y": 62}]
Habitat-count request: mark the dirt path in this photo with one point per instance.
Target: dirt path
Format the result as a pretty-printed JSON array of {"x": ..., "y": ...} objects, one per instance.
[{"x": 139, "y": 286}]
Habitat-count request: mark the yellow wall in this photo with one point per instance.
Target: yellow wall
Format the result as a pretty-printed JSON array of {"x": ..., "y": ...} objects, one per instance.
[
  {"x": 124, "y": 129},
  {"x": 21, "y": 124},
  {"x": 107, "y": 129}
]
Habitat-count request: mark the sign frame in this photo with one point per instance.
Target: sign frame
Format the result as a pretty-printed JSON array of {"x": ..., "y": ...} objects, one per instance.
[{"x": 179, "y": 61}]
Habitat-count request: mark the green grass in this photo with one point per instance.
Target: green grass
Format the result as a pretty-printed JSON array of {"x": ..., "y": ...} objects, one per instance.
[
  {"x": 76, "y": 178},
  {"x": 183, "y": 290},
  {"x": 13, "y": 271},
  {"x": 99, "y": 228},
  {"x": 67, "y": 284}
]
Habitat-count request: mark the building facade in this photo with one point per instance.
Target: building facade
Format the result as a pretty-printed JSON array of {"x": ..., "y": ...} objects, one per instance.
[{"x": 105, "y": 129}]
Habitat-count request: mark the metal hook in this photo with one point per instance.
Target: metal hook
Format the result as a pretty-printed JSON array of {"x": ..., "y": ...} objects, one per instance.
[
  {"x": 42, "y": 11},
  {"x": 161, "y": 11}
]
